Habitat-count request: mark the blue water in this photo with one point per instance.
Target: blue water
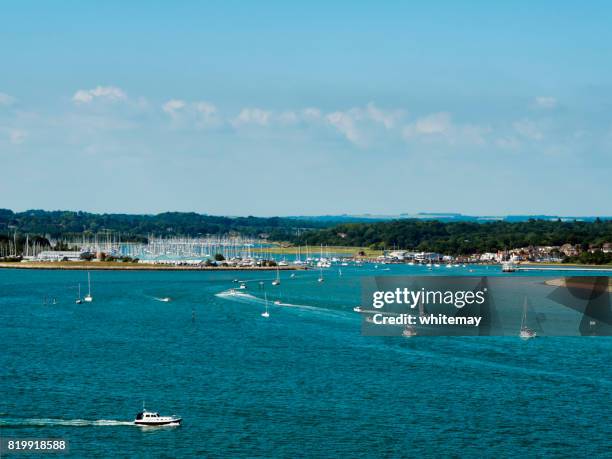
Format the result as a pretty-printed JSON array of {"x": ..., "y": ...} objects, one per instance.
[{"x": 302, "y": 383}]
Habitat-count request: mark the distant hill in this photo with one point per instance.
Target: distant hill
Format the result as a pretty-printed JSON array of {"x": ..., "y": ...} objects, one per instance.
[
  {"x": 445, "y": 217},
  {"x": 461, "y": 237},
  {"x": 137, "y": 227}
]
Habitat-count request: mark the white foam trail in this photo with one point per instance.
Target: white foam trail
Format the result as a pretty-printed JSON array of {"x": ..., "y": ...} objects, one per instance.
[
  {"x": 163, "y": 299},
  {"x": 236, "y": 295},
  {"x": 43, "y": 422}
]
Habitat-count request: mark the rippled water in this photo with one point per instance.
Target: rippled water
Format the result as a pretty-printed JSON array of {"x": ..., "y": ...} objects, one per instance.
[{"x": 303, "y": 382}]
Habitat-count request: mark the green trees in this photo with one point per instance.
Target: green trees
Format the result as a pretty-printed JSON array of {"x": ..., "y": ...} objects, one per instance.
[{"x": 460, "y": 238}]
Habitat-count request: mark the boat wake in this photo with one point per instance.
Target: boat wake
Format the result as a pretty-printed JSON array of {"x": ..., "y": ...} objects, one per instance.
[
  {"x": 236, "y": 295},
  {"x": 44, "y": 422},
  {"x": 162, "y": 299}
]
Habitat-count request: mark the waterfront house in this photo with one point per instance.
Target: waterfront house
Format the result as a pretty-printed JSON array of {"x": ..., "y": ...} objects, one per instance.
[{"x": 570, "y": 250}]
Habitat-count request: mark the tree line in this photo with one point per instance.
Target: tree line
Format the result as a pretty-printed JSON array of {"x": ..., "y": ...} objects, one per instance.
[
  {"x": 460, "y": 238},
  {"x": 136, "y": 228}
]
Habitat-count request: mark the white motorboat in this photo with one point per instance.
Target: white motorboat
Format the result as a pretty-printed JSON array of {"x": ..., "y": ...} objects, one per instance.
[
  {"x": 150, "y": 418},
  {"x": 508, "y": 267},
  {"x": 357, "y": 309}
]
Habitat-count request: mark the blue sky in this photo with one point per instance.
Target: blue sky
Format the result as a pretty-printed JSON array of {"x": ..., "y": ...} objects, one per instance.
[{"x": 279, "y": 108}]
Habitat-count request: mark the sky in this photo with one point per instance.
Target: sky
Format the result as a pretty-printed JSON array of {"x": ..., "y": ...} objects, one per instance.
[{"x": 310, "y": 108}]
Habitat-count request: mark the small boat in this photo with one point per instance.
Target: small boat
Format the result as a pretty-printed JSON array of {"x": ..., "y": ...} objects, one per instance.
[
  {"x": 242, "y": 286},
  {"x": 78, "y": 299},
  {"x": 526, "y": 332},
  {"x": 277, "y": 302},
  {"x": 409, "y": 332},
  {"x": 163, "y": 299},
  {"x": 277, "y": 280},
  {"x": 508, "y": 267},
  {"x": 88, "y": 298},
  {"x": 320, "y": 279},
  {"x": 357, "y": 309},
  {"x": 150, "y": 418},
  {"x": 292, "y": 276},
  {"x": 266, "y": 314}
]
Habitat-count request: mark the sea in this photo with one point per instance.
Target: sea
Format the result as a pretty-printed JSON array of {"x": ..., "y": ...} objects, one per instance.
[{"x": 302, "y": 383}]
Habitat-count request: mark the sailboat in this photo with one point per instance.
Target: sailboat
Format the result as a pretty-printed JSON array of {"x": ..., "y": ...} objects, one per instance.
[
  {"x": 409, "y": 331},
  {"x": 277, "y": 280},
  {"x": 78, "y": 299},
  {"x": 266, "y": 314},
  {"x": 526, "y": 332},
  {"x": 88, "y": 298},
  {"x": 320, "y": 279}
]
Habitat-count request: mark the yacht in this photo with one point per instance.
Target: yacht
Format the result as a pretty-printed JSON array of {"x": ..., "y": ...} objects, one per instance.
[
  {"x": 266, "y": 314},
  {"x": 149, "y": 418},
  {"x": 526, "y": 332},
  {"x": 88, "y": 298},
  {"x": 277, "y": 280},
  {"x": 78, "y": 299}
]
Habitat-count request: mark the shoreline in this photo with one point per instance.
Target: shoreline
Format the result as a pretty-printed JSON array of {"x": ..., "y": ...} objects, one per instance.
[{"x": 101, "y": 266}]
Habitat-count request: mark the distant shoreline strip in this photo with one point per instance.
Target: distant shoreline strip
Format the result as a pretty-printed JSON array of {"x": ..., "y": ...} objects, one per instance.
[{"x": 144, "y": 267}]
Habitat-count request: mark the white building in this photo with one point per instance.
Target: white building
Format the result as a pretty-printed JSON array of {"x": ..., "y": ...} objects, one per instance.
[{"x": 59, "y": 255}]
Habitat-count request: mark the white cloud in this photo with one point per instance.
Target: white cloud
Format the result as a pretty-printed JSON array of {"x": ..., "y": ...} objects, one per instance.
[
  {"x": 255, "y": 116},
  {"x": 344, "y": 122},
  {"x": 440, "y": 127},
  {"x": 528, "y": 129},
  {"x": 109, "y": 93},
  {"x": 359, "y": 124},
  {"x": 205, "y": 108},
  {"x": 385, "y": 117},
  {"x": 200, "y": 114},
  {"x": 435, "y": 124},
  {"x": 173, "y": 106},
  {"x": 288, "y": 117},
  {"x": 507, "y": 143},
  {"x": 6, "y": 100},
  {"x": 545, "y": 102},
  {"x": 17, "y": 136},
  {"x": 311, "y": 114}
]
